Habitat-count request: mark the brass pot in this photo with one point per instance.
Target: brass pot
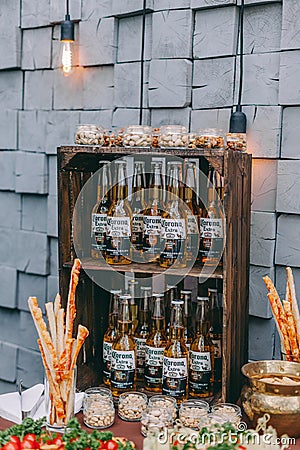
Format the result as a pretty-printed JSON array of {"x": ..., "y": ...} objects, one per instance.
[{"x": 282, "y": 402}]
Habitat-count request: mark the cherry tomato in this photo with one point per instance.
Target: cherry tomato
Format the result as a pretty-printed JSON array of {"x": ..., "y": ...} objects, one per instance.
[
  {"x": 58, "y": 441},
  {"x": 15, "y": 440},
  {"x": 27, "y": 444},
  {"x": 111, "y": 445},
  {"x": 11, "y": 446},
  {"x": 30, "y": 437}
]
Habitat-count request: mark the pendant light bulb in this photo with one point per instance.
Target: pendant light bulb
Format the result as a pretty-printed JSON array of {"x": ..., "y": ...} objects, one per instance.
[
  {"x": 66, "y": 58},
  {"x": 67, "y": 40}
]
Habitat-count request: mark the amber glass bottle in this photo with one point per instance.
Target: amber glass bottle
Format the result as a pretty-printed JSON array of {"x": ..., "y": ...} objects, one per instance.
[
  {"x": 152, "y": 216},
  {"x": 173, "y": 223},
  {"x": 175, "y": 364},
  {"x": 216, "y": 334},
  {"x": 100, "y": 210},
  {"x": 193, "y": 215},
  {"x": 212, "y": 225},
  {"x": 142, "y": 332},
  {"x": 186, "y": 296},
  {"x": 137, "y": 206},
  {"x": 155, "y": 345},
  {"x": 118, "y": 250},
  {"x": 110, "y": 334},
  {"x": 123, "y": 354},
  {"x": 201, "y": 356}
]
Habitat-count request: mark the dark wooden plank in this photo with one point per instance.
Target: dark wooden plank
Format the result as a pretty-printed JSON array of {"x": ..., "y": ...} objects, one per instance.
[
  {"x": 228, "y": 272},
  {"x": 86, "y": 158},
  {"x": 92, "y": 264},
  {"x": 64, "y": 228}
]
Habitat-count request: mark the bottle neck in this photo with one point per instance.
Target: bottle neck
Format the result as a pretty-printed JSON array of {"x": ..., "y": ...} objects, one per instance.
[
  {"x": 202, "y": 318},
  {"x": 113, "y": 321}
]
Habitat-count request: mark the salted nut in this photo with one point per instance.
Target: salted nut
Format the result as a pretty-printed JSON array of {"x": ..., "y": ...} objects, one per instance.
[
  {"x": 89, "y": 135},
  {"x": 132, "y": 405},
  {"x": 98, "y": 412}
]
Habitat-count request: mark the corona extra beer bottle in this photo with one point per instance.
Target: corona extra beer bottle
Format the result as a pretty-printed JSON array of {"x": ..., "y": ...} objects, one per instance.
[
  {"x": 175, "y": 365},
  {"x": 142, "y": 332},
  {"x": 173, "y": 224},
  {"x": 100, "y": 210},
  {"x": 123, "y": 354},
  {"x": 137, "y": 206},
  {"x": 152, "y": 216},
  {"x": 201, "y": 356},
  {"x": 118, "y": 249},
  {"x": 155, "y": 345},
  {"x": 186, "y": 296},
  {"x": 216, "y": 332},
  {"x": 110, "y": 334},
  {"x": 190, "y": 199}
]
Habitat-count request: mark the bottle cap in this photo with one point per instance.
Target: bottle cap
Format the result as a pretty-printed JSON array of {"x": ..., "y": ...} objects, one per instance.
[
  {"x": 146, "y": 288},
  {"x": 116, "y": 291},
  {"x": 201, "y": 299},
  {"x": 156, "y": 295},
  {"x": 177, "y": 302},
  {"x": 185, "y": 292},
  {"x": 212, "y": 290}
]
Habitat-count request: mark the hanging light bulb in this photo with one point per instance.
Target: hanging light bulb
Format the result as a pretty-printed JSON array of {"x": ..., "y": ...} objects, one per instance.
[
  {"x": 66, "y": 58},
  {"x": 67, "y": 39}
]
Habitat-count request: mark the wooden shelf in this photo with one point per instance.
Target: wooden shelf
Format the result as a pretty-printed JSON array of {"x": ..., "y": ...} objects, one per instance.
[
  {"x": 87, "y": 157},
  {"x": 149, "y": 268}
]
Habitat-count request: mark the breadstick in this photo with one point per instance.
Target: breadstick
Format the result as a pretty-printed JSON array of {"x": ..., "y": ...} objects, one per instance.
[
  {"x": 71, "y": 308},
  {"x": 51, "y": 321},
  {"x": 60, "y": 331},
  {"x": 279, "y": 320},
  {"x": 57, "y": 304},
  {"x": 53, "y": 386},
  {"x": 293, "y": 300},
  {"x": 291, "y": 329},
  {"x": 47, "y": 344}
]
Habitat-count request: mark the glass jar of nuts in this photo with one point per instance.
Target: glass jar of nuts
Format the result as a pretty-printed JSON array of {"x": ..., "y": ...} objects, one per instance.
[
  {"x": 192, "y": 411},
  {"x": 236, "y": 141},
  {"x": 155, "y": 420},
  {"x": 174, "y": 136},
  {"x": 89, "y": 135},
  {"x": 164, "y": 401},
  {"x": 137, "y": 136},
  {"x": 132, "y": 405},
  {"x": 230, "y": 412},
  {"x": 209, "y": 138},
  {"x": 98, "y": 409}
]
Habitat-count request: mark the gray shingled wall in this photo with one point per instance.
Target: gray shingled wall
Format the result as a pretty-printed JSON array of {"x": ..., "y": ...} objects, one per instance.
[{"x": 189, "y": 79}]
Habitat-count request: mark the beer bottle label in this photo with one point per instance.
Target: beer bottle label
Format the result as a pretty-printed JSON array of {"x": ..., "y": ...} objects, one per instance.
[
  {"x": 99, "y": 223},
  {"x": 211, "y": 228},
  {"x": 175, "y": 373},
  {"x": 118, "y": 227},
  {"x": 137, "y": 224},
  {"x": 217, "y": 348},
  {"x": 173, "y": 229},
  {"x": 152, "y": 228},
  {"x": 218, "y": 359},
  {"x": 154, "y": 364},
  {"x": 118, "y": 236},
  {"x": 122, "y": 369},
  {"x": 140, "y": 354},
  {"x": 107, "y": 358},
  {"x": 192, "y": 225},
  {"x": 200, "y": 371}
]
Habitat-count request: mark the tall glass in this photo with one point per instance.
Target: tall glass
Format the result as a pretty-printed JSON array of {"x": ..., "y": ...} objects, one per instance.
[{"x": 60, "y": 386}]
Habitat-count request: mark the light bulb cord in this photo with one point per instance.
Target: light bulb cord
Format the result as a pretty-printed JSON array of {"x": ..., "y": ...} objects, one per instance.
[
  {"x": 142, "y": 62},
  {"x": 68, "y": 7},
  {"x": 241, "y": 39}
]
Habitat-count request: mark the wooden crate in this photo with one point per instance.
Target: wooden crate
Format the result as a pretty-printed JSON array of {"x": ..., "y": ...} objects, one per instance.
[{"x": 76, "y": 164}]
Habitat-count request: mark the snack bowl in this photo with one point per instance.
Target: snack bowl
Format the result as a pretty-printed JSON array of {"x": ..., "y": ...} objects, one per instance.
[{"x": 263, "y": 394}]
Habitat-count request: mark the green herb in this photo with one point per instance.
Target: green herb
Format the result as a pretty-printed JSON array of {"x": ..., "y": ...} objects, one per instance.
[{"x": 27, "y": 426}]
